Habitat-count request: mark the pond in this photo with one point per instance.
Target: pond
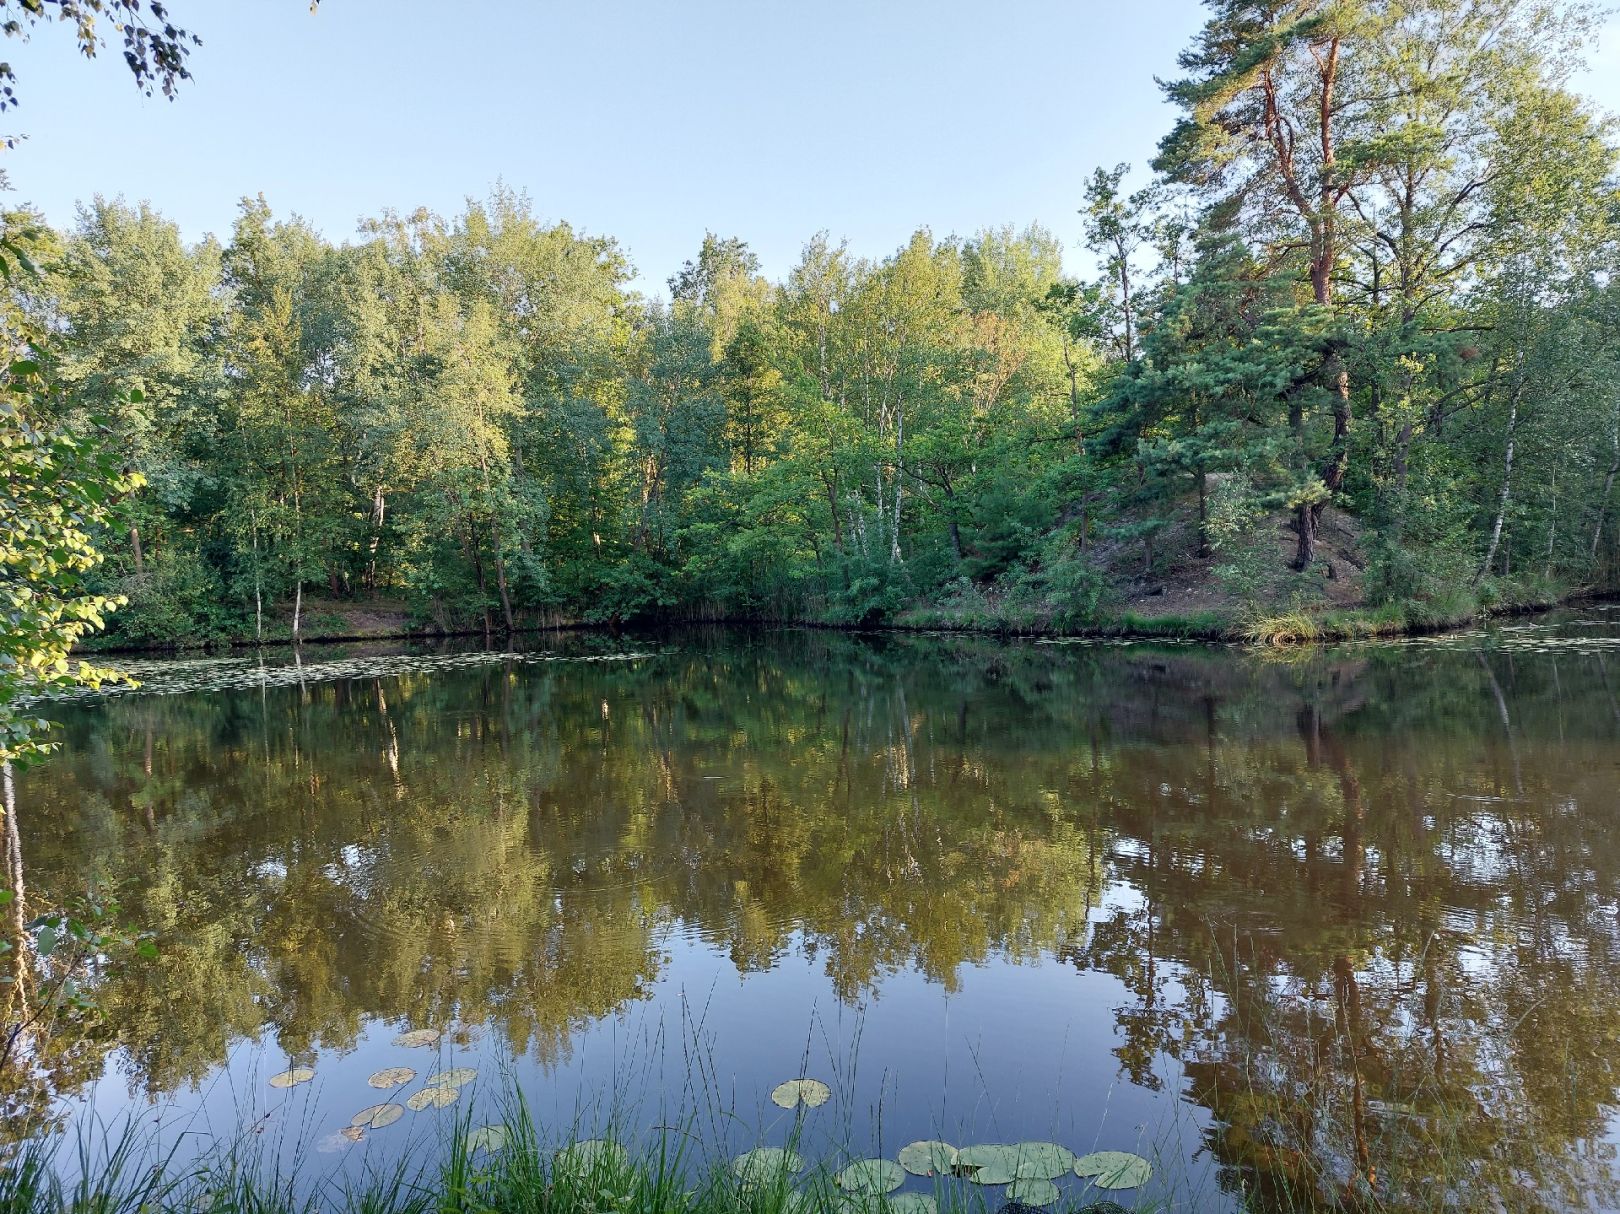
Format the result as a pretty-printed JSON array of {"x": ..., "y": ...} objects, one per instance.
[{"x": 1341, "y": 918}]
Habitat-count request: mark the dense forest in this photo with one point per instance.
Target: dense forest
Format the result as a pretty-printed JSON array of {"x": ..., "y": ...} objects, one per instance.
[{"x": 1356, "y": 344}]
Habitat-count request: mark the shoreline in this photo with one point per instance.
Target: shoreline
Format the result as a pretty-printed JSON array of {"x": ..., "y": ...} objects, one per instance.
[{"x": 1296, "y": 626}]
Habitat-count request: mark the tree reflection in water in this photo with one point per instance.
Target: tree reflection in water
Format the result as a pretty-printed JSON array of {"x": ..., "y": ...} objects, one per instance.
[{"x": 1363, "y": 900}]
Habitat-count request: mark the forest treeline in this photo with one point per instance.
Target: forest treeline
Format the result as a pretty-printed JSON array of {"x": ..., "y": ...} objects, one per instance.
[{"x": 1369, "y": 285}]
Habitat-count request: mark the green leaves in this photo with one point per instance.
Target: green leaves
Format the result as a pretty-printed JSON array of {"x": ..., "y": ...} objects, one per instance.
[
  {"x": 1032, "y": 1192},
  {"x": 766, "y": 1165},
  {"x": 488, "y": 1138},
  {"x": 996, "y": 1164},
  {"x": 55, "y": 489},
  {"x": 929, "y": 1157},
  {"x": 811, "y": 1093},
  {"x": 1114, "y": 1169},
  {"x": 871, "y": 1176},
  {"x": 377, "y": 1116}
]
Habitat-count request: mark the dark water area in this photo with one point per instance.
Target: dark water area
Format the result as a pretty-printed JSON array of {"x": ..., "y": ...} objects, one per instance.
[{"x": 1343, "y": 919}]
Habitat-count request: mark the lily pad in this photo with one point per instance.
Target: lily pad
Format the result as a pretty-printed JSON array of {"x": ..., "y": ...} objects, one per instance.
[
  {"x": 892, "y": 1203},
  {"x": 354, "y": 1133},
  {"x": 764, "y": 1164},
  {"x": 292, "y": 1078},
  {"x": 432, "y": 1098},
  {"x": 929, "y": 1157},
  {"x": 418, "y": 1037},
  {"x": 871, "y": 1176},
  {"x": 455, "y": 1077},
  {"x": 1041, "y": 1161},
  {"x": 811, "y": 1093},
  {"x": 912, "y": 1203},
  {"x": 1114, "y": 1169},
  {"x": 377, "y": 1115},
  {"x": 1032, "y": 1191},
  {"x": 488, "y": 1138},
  {"x": 591, "y": 1155},
  {"x": 997, "y": 1163},
  {"x": 992, "y": 1163},
  {"x": 392, "y": 1077}
]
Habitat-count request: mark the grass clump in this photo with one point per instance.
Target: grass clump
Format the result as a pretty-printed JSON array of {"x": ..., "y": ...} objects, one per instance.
[{"x": 1293, "y": 627}]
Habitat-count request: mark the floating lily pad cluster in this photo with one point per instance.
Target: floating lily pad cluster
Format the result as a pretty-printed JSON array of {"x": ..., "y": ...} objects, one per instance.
[
  {"x": 169, "y": 677},
  {"x": 441, "y": 1088},
  {"x": 1029, "y": 1170},
  {"x": 438, "y": 1090}
]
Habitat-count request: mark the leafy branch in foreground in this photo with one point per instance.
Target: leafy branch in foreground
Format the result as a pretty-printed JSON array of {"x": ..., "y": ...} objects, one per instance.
[
  {"x": 56, "y": 489},
  {"x": 154, "y": 48}
]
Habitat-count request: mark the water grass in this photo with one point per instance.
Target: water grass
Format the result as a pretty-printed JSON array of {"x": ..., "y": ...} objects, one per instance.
[{"x": 522, "y": 1174}]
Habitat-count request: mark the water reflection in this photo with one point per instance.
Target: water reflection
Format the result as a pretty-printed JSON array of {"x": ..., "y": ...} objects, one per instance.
[{"x": 1359, "y": 907}]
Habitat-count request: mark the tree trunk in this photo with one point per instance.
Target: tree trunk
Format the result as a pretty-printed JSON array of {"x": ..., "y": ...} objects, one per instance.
[
  {"x": 899, "y": 484},
  {"x": 1552, "y": 524},
  {"x": 298, "y": 610},
  {"x": 1608, "y": 485},
  {"x": 378, "y": 507},
  {"x": 830, "y": 485},
  {"x": 1203, "y": 513},
  {"x": 258, "y": 587},
  {"x": 135, "y": 547},
  {"x": 478, "y": 569},
  {"x": 1305, "y": 525},
  {"x": 1403, "y": 443},
  {"x": 13, "y": 849},
  {"x": 1507, "y": 487},
  {"x": 14, "y": 1013},
  {"x": 500, "y": 575},
  {"x": 1126, "y": 306}
]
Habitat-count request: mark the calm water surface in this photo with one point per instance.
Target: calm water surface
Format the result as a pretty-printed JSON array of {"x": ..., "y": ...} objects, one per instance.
[{"x": 1315, "y": 917}]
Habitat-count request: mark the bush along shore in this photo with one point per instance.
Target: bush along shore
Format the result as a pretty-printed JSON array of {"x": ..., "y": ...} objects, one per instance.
[{"x": 1274, "y": 623}]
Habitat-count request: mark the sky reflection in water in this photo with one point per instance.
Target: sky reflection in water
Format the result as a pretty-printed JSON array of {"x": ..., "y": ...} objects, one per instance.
[{"x": 1258, "y": 918}]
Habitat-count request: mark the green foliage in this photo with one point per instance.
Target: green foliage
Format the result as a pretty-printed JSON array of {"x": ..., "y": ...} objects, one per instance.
[
  {"x": 1237, "y": 517},
  {"x": 179, "y": 598},
  {"x": 1396, "y": 301},
  {"x": 55, "y": 488}
]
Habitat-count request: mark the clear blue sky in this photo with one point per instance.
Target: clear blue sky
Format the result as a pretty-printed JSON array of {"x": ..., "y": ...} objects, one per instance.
[{"x": 647, "y": 120}]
